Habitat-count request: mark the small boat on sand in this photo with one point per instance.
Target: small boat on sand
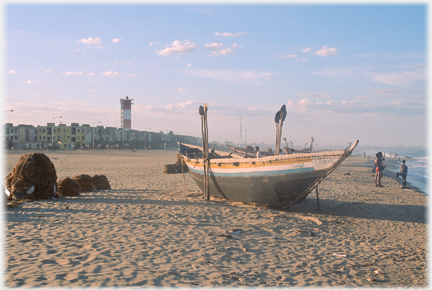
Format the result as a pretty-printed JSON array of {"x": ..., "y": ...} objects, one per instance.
[
  {"x": 247, "y": 152},
  {"x": 273, "y": 181}
]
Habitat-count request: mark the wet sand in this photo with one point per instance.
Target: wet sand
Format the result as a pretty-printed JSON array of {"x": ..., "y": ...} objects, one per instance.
[{"x": 148, "y": 231}]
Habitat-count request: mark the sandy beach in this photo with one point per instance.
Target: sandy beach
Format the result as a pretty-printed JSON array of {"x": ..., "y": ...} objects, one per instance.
[{"x": 154, "y": 229}]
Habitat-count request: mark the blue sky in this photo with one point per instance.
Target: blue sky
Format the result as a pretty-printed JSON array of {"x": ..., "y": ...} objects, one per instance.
[{"x": 345, "y": 72}]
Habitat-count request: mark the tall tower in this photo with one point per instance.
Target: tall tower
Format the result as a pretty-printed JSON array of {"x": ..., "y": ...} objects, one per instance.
[
  {"x": 241, "y": 138},
  {"x": 125, "y": 113}
]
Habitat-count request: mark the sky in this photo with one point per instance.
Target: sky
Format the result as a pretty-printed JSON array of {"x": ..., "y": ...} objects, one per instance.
[{"x": 345, "y": 72}]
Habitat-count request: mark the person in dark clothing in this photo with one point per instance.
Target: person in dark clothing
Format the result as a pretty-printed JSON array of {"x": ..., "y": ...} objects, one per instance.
[
  {"x": 379, "y": 167},
  {"x": 403, "y": 172}
]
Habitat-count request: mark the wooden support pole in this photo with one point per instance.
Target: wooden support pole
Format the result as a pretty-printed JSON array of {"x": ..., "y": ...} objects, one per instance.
[
  {"x": 207, "y": 152},
  {"x": 316, "y": 190},
  {"x": 184, "y": 180},
  {"x": 205, "y": 149}
]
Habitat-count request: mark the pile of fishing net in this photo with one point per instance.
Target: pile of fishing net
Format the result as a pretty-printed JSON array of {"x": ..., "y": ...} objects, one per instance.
[
  {"x": 82, "y": 183},
  {"x": 100, "y": 182},
  {"x": 33, "y": 177},
  {"x": 176, "y": 167},
  {"x": 85, "y": 182},
  {"x": 68, "y": 187}
]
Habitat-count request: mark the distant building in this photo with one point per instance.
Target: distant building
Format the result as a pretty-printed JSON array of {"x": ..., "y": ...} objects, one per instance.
[
  {"x": 21, "y": 137},
  {"x": 83, "y": 136}
]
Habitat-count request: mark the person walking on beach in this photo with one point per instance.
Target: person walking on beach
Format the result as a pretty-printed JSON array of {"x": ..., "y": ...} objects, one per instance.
[
  {"x": 258, "y": 154},
  {"x": 403, "y": 171},
  {"x": 379, "y": 167}
]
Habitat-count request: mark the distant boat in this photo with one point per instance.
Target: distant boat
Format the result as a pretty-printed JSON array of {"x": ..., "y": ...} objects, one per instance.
[
  {"x": 247, "y": 152},
  {"x": 408, "y": 157},
  {"x": 250, "y": 152},
  {"x": 274, "y": 181}
]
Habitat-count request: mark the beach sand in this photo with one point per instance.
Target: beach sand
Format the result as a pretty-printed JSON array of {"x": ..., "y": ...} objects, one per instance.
[{"x": 148, "y": 230}]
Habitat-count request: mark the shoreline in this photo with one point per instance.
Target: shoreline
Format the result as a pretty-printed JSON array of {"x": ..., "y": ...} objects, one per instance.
[{"x": 157, "y": 230}]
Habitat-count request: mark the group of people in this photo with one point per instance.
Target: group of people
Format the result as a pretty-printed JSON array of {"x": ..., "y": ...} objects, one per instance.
[{"x": 380, "y": 166}]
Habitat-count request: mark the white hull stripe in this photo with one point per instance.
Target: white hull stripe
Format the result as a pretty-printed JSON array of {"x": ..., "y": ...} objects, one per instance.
[
  {"x": 266, "y": 170},
  {"x": 224, "y": 173}
]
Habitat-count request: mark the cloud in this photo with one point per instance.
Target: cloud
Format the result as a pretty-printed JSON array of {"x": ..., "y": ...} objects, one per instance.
[
  {"x": 184, "y": 111},
  {"x": 188, "y": 110},
  {"x": 90, "y": 74},
  {"x": 74, "y": 73},
  {"x": 337, "y": 72},
  {"x": 178, "y": 47},
  {"x": 90, "y": 40},
  {"x": 226, "y": 51},
  {"x": 219, "y": 48},
  {"x": 214, "y": 46},
  {"x": 116, "y": 40},
  {"x": 189, "y": 65},
  {"x": 229, "y": 34},
  {"x": 357, "y": 106},
  {"x": 48, "y": 71},
  {"x": 293, "y": 56},
  {"x": 326, "y": 51},
  {"x": 398, "y": 77},
  {"x": 111, "y": 74},
  {"x": 289, "y": 56},
  {"x": 153, "y": 43},
  {"x": 389, "y": 92},
  {"x": 239, "y": 77},
  {"x": 307, "y": 49},
  {"x": 12, "y": 72},
  {"x": 319, "y": 96},
  {"x": 402, "y": 78},
  {"x": 182, "y": 90},
  {"x": 187, "y": 104},
  {"x": 363, "y": 97},
  {"x": 31, "y": 82}
]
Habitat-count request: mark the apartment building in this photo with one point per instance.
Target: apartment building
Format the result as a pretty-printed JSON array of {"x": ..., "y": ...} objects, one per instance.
[
  {"x": 21, "y": 136},
  {"x": 84, "y": 136}
]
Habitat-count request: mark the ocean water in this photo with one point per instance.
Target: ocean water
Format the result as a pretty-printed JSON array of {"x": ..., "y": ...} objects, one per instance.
[{"x": 415, "y": 159}]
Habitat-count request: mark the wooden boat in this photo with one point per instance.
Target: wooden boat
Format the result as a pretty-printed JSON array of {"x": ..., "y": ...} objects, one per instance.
[
  {"x": 274, "y": 181},
  {"x": 247, "y": 153}
]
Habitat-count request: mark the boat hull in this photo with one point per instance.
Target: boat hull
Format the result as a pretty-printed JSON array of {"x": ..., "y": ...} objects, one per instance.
[
  {"x": 274, "y": 181},
  {"x": 272, "y": 191}
]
